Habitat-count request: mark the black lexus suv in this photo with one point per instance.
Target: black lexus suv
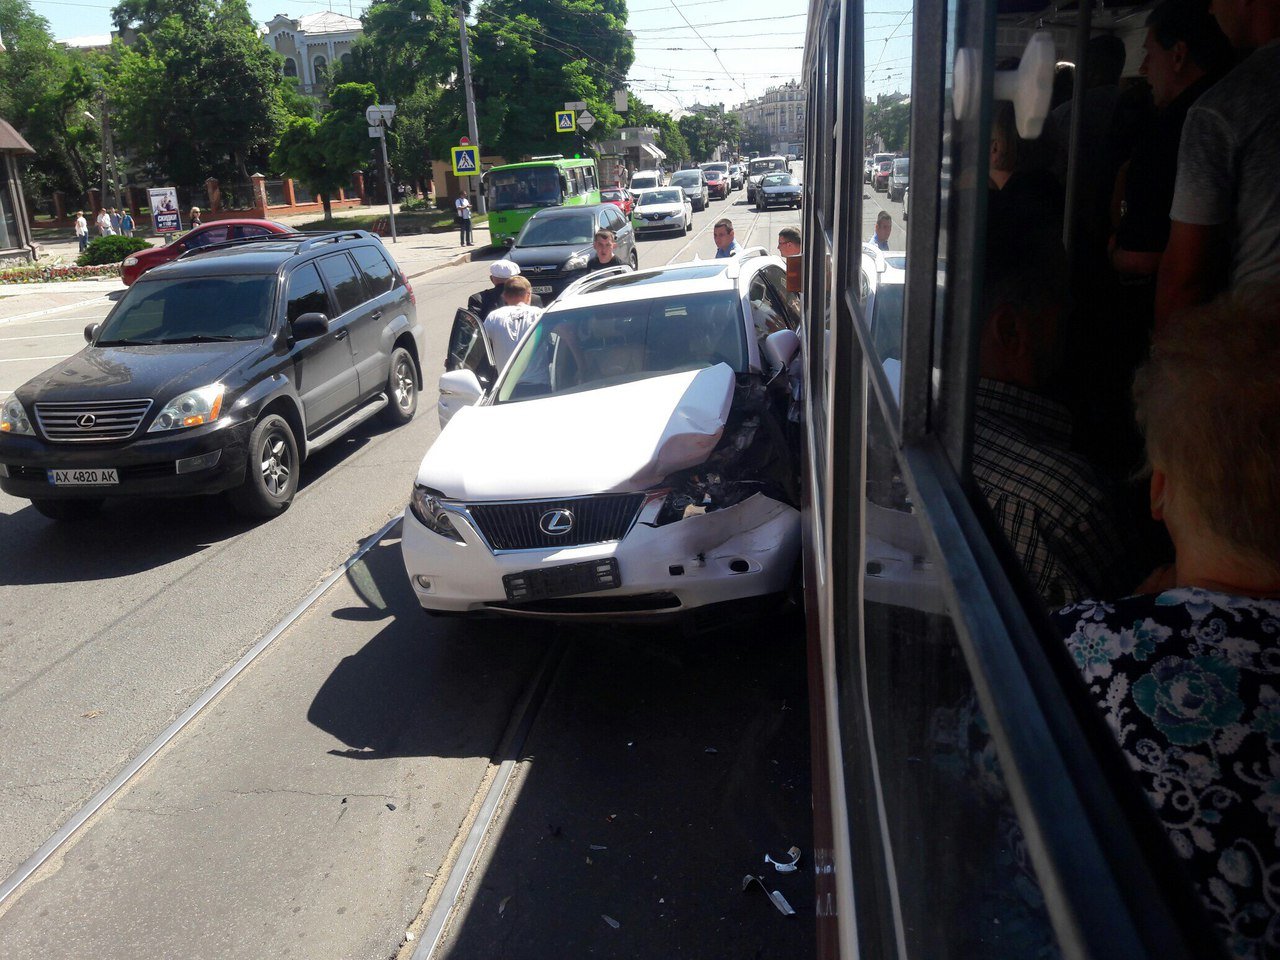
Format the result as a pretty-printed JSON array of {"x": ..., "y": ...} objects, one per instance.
[{"x": 220, "y": 371}]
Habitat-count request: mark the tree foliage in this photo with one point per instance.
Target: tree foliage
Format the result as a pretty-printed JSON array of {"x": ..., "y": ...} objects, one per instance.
[
  {"x": 670, "y": 140},
  {"x": 198, "y": 93},
  {"x": 323, "y": 154},
  {"x": 705, "y": 129},
  {"x": 888, "y": 121}
]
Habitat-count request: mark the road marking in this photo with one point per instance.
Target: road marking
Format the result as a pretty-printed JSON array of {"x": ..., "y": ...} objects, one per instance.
[
  {"x": 29, "y": 323},
  {"x": 44, "y": 336},
  {"x": 41, "y": 313},
  {"x": 96, "y": 802},
  {"x": 60, "y": 356}
]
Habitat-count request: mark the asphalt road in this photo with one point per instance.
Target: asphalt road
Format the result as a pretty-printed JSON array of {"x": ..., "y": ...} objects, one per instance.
[{"x": 320, "y": 801}]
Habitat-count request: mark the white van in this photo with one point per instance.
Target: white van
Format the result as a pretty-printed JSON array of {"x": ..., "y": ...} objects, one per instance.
[{"x": 645, "y": 180}]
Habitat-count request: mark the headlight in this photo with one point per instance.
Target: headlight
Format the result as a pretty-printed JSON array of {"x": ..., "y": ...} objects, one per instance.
[
  {"x": 130, "y": 261},
  {"x": 190, "y": 409},
  {"x": 427, "y": 508},
  {"x": 13, "y": 419},
  {"x": 577, "y": 261}
]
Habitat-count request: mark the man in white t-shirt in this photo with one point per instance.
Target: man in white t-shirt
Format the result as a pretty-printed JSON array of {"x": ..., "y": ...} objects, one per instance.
[
  {"x": 82, "y": 230},
  {"x": 462, "y": 206},
  {"x": 504, "y": 327}
]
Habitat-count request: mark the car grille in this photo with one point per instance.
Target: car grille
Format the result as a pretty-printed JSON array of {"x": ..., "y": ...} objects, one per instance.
[
  {"x": 654, "y": 216},
  {"x": 91, "y": 419},
  {"x": 516, "y": 526}
]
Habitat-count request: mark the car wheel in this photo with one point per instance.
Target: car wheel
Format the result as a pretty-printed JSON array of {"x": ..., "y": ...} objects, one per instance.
[
  {"x": 402, "y": 388},
  {"x": 635, "y": 260},
  {"x": 271, "y": 474},
  {"x": 67, "y": 509},
  {"x": 688, "y": 226}
]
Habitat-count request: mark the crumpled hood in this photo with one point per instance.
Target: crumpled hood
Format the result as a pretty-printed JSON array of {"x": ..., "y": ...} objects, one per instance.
[{"x": 623, "y": 438}]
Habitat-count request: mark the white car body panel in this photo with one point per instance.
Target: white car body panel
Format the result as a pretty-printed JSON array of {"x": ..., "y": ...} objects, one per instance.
[{"x": 624, "y": 438}]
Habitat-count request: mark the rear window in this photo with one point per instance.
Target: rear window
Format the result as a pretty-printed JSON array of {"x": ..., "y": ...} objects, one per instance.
[
  {"x": 177, "y": 311},
  {"x": 900, "y": 166},
  {"x": 377, "y": 272},
  {"x": 687, "y": 177},
  {"x": 344, "y": 280}
]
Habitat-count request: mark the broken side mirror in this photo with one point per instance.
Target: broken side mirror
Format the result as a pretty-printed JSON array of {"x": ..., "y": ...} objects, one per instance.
[
  {"x": 458, "y": 389},
  {"x": 780, "y": 348}
]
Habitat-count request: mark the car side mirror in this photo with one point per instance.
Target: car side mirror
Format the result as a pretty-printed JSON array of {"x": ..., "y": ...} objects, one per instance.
[
  {"x": 91, "y": 331},
  {"x": 309, "y": 326},
  {"x": 458, "y": 389},
  {"x": 780, "y": 348}
]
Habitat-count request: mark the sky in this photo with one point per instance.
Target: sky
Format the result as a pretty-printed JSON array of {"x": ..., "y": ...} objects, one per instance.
[{"x": 687, "y": 51}]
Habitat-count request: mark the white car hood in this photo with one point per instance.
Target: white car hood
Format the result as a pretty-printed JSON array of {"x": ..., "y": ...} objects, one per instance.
[
  {"x": 623, "y": 438},
  {"x": 663, "y": 208}
]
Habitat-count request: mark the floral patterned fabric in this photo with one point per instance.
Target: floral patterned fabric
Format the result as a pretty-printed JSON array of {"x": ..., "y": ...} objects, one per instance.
[{"x": 1189, "y": 681}]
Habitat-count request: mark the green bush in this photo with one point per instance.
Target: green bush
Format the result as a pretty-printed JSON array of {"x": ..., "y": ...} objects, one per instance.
[
  {"x": 110, "y": 249},
  {"x": 410, "y": 204}
]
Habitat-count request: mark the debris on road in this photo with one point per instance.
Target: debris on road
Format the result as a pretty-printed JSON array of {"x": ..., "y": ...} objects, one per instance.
[
  {"x": 503, "y": 905},
  {"x": 775, "y": 896},
  {"x": 610, "y": 921},
  {"x": 785, "y": 866}
]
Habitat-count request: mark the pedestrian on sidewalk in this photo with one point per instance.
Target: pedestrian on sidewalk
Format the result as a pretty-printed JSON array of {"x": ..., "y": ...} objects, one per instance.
[
  {"x": 126, "y": 224},
  {"x": 195, "y": 218},
  {"x": 104, "y": 222},
  {"x": 82, "y": 230},
  {"x": 462, "y": 208},
  {"x": 115, "y": 220}
]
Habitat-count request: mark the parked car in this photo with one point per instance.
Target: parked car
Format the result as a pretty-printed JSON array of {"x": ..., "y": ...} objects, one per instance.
[
  {"x": 737, "y": 174},
  {"x": 220, "y": 231},
  {"x": 624, "y": 200},
  {"x": 645, "y": 180},
  {"x": 898, "y": 178},
  {"x": 883, "y": 278},
  {"x": 778, "y": 190},
  {"x": 880, "y": 179},
  {"x": 554, "y": 245},
  {"x": 666, "y": 208},
  {"x": 631, "y": 460},
  {"x": 717, "y": 184},
  {"x": 694, "y": 184},
  {"x": 221, "y": 371}
]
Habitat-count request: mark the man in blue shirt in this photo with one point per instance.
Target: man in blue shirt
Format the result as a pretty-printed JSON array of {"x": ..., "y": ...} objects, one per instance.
[
  {"x": 884, "y": 226},
  {"x": 726, "y": 246}
]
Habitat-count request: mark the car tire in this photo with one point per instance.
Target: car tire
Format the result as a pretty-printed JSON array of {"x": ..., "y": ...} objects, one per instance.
[
  {"x": 402, "y": 388},
  {"x": 635, "y": 261},
  {"x": 688, "y": 226},
  {"x": 271, "y": 474},
  {"x": 67, "y": 509}
]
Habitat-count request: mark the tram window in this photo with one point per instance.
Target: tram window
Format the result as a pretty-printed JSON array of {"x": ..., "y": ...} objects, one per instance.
[{"x": 964, "y": 882}]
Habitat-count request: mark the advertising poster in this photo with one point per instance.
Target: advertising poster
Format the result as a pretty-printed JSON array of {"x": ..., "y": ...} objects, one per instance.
[{"x": 165, "y": 217}]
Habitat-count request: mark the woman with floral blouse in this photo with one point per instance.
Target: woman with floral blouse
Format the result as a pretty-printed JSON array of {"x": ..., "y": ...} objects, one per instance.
[{"x": 1188, "y": 675}]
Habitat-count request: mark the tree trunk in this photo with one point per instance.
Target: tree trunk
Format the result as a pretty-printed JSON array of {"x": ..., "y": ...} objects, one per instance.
[{"x": 328, "y": 209}]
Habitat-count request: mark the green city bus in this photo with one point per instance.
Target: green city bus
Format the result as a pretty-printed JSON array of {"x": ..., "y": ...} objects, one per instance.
[{"x": 516, "y": 191}]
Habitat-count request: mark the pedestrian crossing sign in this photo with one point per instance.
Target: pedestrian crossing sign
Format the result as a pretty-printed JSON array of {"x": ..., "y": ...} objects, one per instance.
[
  {"x": 566, "y": 121},
  {"x": 466, "y": 161}
]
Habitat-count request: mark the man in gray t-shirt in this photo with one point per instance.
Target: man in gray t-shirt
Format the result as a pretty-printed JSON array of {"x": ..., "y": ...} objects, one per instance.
[{"x": 1225, "y": 229}]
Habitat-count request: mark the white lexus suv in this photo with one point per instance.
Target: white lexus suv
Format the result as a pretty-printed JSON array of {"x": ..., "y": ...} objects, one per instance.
[{"x": 634, "y": 459}]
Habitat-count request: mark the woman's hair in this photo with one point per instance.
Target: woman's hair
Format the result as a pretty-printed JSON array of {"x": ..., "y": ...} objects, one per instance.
[{"x": 1208, "y": 403}]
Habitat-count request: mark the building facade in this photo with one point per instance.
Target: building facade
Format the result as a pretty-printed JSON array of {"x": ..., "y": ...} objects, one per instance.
[
  {"x": 312, "y": 46},
  {"x": 778, "y": 116}
]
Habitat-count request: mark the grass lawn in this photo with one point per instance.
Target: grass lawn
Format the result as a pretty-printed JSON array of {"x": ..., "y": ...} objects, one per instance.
[{"x": 427, "y": 221}]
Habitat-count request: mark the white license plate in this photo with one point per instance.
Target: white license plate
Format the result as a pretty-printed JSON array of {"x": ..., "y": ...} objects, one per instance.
[
  {"x": 541, "y": 288},
  {"x": 83, "y": 478}
]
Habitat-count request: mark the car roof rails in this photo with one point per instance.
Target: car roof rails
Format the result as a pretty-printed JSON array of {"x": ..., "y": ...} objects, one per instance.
[
  {"x": 316, "y": 239},
  {"x": 583, "y": 283},
  {"x": 237, "y": 242}
]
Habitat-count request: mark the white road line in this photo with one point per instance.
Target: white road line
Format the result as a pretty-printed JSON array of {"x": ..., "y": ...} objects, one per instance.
[
  {"x": 60, "y": 356},
  {"x": 44, "y": 336},
  {"x": 51, "y": 845},
  {"x": 42, "y": 313},
  {"x": 31, "y": 323}
]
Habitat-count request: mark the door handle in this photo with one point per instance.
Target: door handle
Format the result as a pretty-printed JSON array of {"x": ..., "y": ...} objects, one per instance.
[{"x": 341, "y": 334}]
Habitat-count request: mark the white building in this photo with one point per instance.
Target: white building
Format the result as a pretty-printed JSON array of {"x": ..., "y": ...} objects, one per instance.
[
  {"x": 779, "y": 115},
  {"x": 312, "y": 45}
]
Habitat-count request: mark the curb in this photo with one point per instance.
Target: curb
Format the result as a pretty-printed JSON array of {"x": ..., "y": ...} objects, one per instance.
[{"x": 454, "y": 261}]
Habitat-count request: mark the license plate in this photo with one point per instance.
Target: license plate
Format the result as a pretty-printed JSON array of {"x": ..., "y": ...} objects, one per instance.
[
  {"x": 541, "y": 287},
  {"x": 565, "y": 581},
  {"x": 84, "y": 478}
]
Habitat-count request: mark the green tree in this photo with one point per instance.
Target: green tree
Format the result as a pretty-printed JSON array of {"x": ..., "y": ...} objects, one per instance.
[
  {"x": 669, "y": 139},
  {"x": 531, "y": 56},
  {"x": 706, "y": 129},
  {"x": 888, "y": 120},
  {"x": 323, "y": 154},
  {"x": 199, "y": 93}
]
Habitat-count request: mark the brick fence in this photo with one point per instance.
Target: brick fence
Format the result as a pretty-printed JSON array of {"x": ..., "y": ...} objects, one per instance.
[{"x": 262, "y": 209}]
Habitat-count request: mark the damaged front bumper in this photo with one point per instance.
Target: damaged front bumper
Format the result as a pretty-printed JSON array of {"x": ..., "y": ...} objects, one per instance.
[{"x": 746, "y": 550}]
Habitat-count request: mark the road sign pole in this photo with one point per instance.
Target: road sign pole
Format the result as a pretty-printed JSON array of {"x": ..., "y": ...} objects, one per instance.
[
  {"x": 472, "y": 128},
  {"x": 386, "y": 179}
]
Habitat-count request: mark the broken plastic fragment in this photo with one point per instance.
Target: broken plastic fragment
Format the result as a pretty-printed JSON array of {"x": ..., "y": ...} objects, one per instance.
[
  {"x": 710, "y": 750},
  {"x": 775, "y": 896},
  {"x": 391, "y": 806},
  {"x": 503, "y": 905},
  {"x": 610, "y": 921},
  {"x": 598, "y": 846},
  {"x": 785, "y": 866}
]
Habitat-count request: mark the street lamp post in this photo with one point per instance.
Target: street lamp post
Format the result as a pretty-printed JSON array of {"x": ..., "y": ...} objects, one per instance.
[
  {"x": 108, "y": 152},
  {"x": 472, "y": 127}
]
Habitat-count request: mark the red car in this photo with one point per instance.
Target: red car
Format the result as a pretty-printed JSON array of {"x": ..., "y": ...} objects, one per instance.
[
  {"x": 880, "y": 175},
  {"x": 136, "y": 264},
  {"x": 622, "y": 199},
  {"x": 717, "y": 184}
]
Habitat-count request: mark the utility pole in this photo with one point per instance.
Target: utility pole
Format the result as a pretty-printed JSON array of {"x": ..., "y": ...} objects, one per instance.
[{"x": 472, "y": 128}]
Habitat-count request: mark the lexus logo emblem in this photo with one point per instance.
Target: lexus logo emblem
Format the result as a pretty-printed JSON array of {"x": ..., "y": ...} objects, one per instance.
[
  {"x": 556, "y": 523},
  {"x": 86, "y": 420}
]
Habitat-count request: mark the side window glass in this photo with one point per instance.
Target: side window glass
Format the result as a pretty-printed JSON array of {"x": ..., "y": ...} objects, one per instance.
[
  {"x": 767, "y": 314},
  {"x": 345, "y": 281},
  {"x": 249, "y": 230},
  {"x": 377, "y": 272},
  {"x": 206, "y": 237},
  {"x": 306, "y": 293},
  {"x": 776, "y": 279}
]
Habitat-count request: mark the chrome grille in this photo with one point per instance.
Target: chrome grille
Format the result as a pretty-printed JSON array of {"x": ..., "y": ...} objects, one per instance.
[
  {"x": 89, "y": 420},
  {"x": 515, "y": 526}
]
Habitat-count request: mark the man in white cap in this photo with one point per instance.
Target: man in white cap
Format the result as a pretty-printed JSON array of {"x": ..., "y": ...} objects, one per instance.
[{"x": 486, "y": 301}]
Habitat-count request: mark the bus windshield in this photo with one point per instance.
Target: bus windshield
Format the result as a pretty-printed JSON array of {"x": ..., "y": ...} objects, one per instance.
[{"x": 524, "y": 188}]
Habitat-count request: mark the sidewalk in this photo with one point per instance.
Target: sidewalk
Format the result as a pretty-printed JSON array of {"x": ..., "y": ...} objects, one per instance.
[{"x": 416, "y": 255}]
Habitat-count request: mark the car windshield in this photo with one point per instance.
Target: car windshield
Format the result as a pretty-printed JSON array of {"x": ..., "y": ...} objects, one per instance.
[
  {"x": 655, "y": 197},
  {"x": 523, "y": 188},
  {"x": 191, "y": 310},
  {"x": 574, "y": 350},
  {"x": 767, "y": 166},
  {"x": 687, "y": 178},
  {"x": 779, "y": 180},
  {"x": 557, "y": 231}
]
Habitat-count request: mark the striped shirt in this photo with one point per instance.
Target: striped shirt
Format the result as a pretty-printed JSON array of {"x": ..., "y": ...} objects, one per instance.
[{"x": 1050, "y": 503}]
